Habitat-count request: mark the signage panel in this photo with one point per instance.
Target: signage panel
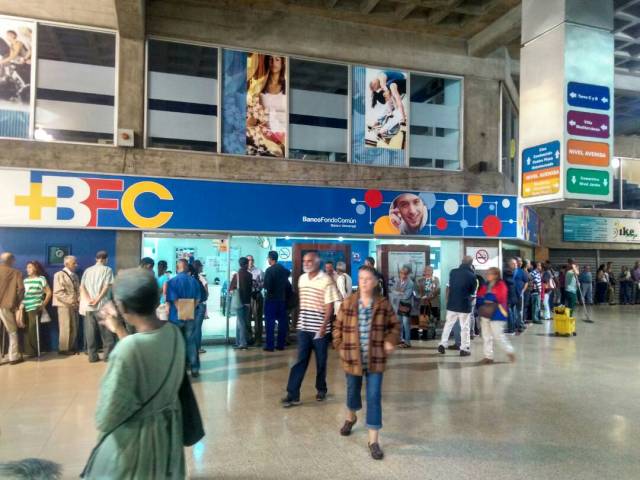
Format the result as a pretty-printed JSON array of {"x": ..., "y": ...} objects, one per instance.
[
  {"x": 577, "y": 228},
  {"x": 543, "y": 182},
  {"x": 587, "y": 181},
  {"x": 582, "y": 152},
  {"x": 61, "y": 199},
  {"x": 541, "y": 157},
  {"x": 587, "y": 124},
  {"x": 585, "y": 95}
]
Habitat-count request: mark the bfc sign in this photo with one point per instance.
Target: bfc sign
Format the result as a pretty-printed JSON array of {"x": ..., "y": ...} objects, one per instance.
[
  {"x": 53, "y": 199},
  {"x": 60, "y": 199}
]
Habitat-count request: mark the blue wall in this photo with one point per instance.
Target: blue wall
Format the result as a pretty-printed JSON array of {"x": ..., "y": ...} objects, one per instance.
[{"x": 31, "y": 244}]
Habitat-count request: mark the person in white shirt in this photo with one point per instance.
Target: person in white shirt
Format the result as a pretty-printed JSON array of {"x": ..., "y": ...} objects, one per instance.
[
  {"x": 94, "y": 287},
  {"x": 344, "y": 284},
  {"x": 256, "y": 309}
]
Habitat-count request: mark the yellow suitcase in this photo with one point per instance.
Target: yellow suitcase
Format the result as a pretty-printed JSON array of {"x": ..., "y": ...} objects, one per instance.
[{"x": 563, "y": 323}]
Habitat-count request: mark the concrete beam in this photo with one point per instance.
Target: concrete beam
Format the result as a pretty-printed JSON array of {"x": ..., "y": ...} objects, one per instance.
[
  {"x": 95, "y": 13},
  {"x": 626, "y": 83},
  {"x": 499, "y": 33},
  {"x": 131, "y": 18},
  {"x": 627, "y": 146},
  {"x": 367, "y": 6}
]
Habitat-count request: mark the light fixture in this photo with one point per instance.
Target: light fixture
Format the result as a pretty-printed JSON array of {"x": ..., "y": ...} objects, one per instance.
[
  {"x": 615, "y": 162},
  {"x": 341, "y": 239},
  {"x": 41, "y": 134}
]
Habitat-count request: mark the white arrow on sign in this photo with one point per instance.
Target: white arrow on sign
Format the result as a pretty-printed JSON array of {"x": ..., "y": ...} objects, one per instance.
[
  {"x": 557, "y": 155},
  {"x": 573, "y": 94},
  {"x": 605, "y": 100},
  {"x": 528, "y": 160},
  {"x": 606, "y": 182},
  {"x": 573, "y": 179},
  {"x": 604, "y": 127},
  {"x": 572, "y": 123}
]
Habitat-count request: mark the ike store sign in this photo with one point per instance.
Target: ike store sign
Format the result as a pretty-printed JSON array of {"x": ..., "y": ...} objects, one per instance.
[
  {"x": 37, "y": 198},
  {"x": 578, "y": 228}
]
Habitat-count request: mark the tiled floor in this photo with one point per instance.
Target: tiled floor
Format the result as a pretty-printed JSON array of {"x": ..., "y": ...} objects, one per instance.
[{"x": 567, "y": 409}]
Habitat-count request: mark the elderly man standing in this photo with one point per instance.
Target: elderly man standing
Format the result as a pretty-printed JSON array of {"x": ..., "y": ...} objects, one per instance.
[
  {"x": 66, "y": 297},
  {"x": 11, "y": 293},
  {"x": 94, "y": 286},
  {"x": 318, "y": 293},
  {"x": 462, "y": 287}
]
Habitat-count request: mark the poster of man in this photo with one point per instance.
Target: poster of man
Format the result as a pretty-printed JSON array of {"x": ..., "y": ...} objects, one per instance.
[
  {"x": 408, "y": 213},
  {"x": 16, "y": 54},
  {"x": 266, "y": 105},
  {"x": 386, "y": 109}
]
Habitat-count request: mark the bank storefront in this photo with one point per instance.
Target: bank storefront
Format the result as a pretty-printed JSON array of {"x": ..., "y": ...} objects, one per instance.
[{"x": 218, "y": 222}]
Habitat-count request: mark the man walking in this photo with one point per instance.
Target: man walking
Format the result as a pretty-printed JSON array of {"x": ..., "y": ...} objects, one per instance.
[
  {"x": 344, "y": 284},
  {"x": 256, "y": 309},
  {"x": 94, "y": 286},
  {"x": 521, "y": 283},
  {"x": 276, "y": 280},
  {"x": 318, "y": 293},
  {"x": 183, "y": 294},
  {"x": 66, "y": 298},
  {"x": 11, "y": 293},
  {"x": 535, "y": 284},
  {"x": 462, "y": 286}
]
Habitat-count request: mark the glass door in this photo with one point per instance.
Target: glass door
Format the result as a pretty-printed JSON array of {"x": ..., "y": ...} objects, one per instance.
[{"x": 213, "y": 252}]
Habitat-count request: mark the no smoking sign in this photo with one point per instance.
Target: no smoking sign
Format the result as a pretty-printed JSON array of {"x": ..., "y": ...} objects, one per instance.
[{"x": 482, "y": 256}]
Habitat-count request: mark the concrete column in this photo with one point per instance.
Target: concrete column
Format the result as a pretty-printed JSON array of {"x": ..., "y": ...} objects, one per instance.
[
  {"x": 131, "y": 86},
  {"x": 128, "y": 249}
]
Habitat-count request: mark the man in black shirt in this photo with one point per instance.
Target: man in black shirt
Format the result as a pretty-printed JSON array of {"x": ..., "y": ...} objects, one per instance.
[
  {"x": 462, "y": 286},
  {"x": 276, "y": 281}
]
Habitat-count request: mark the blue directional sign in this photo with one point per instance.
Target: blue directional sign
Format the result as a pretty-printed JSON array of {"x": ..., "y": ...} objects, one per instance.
[
  {"x": 585, "y": 95},
  {"x": 541, "y": 157}
]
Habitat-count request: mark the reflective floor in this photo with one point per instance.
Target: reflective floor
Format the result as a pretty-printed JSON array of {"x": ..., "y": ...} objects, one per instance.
[{"x": 569, "y": 408}]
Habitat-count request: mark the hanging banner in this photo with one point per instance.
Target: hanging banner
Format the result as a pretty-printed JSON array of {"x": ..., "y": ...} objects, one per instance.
[
  {"x": 16, "y": 59},
  {"x": 386, "y": 109},
  {"x": 60, "y": 199},
  {"x": 578, "y": 228}
]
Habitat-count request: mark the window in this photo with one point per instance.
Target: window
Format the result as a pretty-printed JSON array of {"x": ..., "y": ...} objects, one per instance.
[
  {"x": 182, "y": 96},
  {"x": 75, "y": 96},
  {"x": 435, "y": 122},
  {"x": 318, "y": 111},
  {"x": 630, "y": 170},
  {"x": 509, "y": 136}
]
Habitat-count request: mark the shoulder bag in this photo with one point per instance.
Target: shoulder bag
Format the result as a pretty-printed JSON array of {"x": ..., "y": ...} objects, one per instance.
[{"x": 488, "y": 308}]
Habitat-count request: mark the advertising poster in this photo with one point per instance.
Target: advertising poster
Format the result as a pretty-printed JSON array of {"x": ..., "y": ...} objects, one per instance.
[
  {"x": 386, "y": 109},
  {"x": 416, "y": 261},
  {"x": 16, "y": 54},
  {"x": 266, "y": 105},
  {"x": 578, "y": 228},
  {"x": 72, "y": 199}
]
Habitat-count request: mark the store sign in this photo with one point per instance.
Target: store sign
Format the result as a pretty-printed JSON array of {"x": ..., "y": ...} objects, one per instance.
[
  {"x": 578, "y": 228},
  {"x": 60, "y": 199},
  {"x": 484, "y": 258},
  {"x": 585, "y": 95},
  {"x": 591, "y": 182}
]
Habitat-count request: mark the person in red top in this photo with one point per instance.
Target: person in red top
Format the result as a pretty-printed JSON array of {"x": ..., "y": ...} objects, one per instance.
[{"x": 493, "y": 312}]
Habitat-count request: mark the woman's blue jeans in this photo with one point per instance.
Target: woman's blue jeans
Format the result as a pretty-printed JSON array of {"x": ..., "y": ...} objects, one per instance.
[
  {"x": 242, "y": 316},
  {"x": 374, "y": 397}
]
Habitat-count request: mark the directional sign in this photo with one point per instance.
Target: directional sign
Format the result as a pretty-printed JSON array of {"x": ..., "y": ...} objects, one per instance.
[
  {"x": 582, "y": 152},
  {"x": 590, "y": 182},
  {"x": 541, "y": 157},
  {"x": 588, "y": 124},
  {"x": 585, "y": 95},
  {"x": 541, "y": 182}
]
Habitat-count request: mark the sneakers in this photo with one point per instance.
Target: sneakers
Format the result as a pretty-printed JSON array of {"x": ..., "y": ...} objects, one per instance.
[
  {"x": 321, "y": 396},
  {"x": 465, "y": 353},
  {"x": 288, "y": 402},
  {"x": 376, "y": 451},
  {"x": 441, "y": 349}
]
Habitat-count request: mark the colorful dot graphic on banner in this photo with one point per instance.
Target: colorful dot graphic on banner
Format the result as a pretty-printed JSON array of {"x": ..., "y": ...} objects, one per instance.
[
  {"x": 492, "y": 226},
  {"x": 442, "y": 224},
  {"x": 451, "y": 206},
  {"x": 361, "y": 209},
  {"x": 474, "y": 200},
  {"x": 373, "y": 198},
  {"x": 383, "y": 226},
  {"x": 429, "y": 200}
]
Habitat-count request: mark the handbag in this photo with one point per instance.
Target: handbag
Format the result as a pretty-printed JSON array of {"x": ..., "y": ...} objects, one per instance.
[
  {"x": 487, "y": 309},
  {"x": 404, "y": 308},
  {"x": 186, "y": 308},
  {"x": 44, "y": 316},
  {"x": 188, "y": 404}
]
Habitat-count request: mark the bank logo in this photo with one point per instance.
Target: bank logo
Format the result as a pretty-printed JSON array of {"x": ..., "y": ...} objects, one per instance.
[{"x": 38, "y": 198}]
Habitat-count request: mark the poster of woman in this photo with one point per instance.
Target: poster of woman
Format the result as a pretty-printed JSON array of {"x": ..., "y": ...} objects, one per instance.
[
  {"x": 266, "y": 105},
  {"x": 386, "y": 109}
]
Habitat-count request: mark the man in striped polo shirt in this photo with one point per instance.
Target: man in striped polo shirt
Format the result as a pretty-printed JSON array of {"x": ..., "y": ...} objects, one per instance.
[{"x": 317, "y": 292}]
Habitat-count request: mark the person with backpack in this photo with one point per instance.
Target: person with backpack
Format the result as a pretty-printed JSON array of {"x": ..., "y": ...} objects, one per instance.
[{"x": 276, "y": 283}]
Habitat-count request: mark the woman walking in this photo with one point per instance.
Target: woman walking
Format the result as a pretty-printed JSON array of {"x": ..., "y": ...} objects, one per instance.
[
  {"x": 493, "y": 312},
  {"x": 139, "y": 416},
  {"x": 403, "y": 293},
  {"x": 365, "y": 333},
  {"x": 37, "y": 295},
  {"x": 602, "y": 285}
]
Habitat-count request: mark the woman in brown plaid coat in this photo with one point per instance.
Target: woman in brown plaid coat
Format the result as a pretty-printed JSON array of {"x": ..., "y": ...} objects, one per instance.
[{"x": 365, "y": 333}]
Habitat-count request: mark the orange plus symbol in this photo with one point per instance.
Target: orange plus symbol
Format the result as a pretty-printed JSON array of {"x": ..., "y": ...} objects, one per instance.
[{"x": 35, "y": 201}]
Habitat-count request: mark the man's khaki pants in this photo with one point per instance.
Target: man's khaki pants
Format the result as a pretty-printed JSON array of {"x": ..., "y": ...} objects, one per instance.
[
  {"x": 68, "y": 326},
  {"x": 8, "y": 318}
]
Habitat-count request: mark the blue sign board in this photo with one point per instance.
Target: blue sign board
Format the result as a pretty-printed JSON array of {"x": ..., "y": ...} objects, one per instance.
[
  {"x": 541, "y": 157},
  {"x": 585, "y": 95},
  {"x": 88, "y": 200}
]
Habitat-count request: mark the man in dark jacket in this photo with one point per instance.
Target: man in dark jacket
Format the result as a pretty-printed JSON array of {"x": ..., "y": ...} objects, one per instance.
[
  {"x": 462, "y": 286},
  {"x": 276, "y": 283},
  {"x": 512, "y": 296},
  {"x": 243, "y": 283}
]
